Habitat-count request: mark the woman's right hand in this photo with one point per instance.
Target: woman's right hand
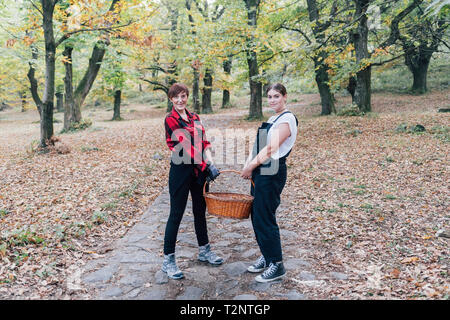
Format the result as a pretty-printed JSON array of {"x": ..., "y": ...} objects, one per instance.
[
  {"x": 247, "y": 172},
  {"x": 213, "y": 172}
]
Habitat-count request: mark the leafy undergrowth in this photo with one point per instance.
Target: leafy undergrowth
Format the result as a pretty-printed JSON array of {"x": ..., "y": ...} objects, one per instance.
[{"x": 367, "y": 198}]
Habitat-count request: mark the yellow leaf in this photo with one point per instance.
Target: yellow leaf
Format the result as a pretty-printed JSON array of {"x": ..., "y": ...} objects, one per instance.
[{"x": 410, "y": 260}]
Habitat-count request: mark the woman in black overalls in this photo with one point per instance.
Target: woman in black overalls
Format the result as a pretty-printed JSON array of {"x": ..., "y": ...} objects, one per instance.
[{"x": 269, "y": 176}]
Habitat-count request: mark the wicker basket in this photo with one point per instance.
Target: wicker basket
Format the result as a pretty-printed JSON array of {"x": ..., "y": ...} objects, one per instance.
[{"x": 227, "y": 204}]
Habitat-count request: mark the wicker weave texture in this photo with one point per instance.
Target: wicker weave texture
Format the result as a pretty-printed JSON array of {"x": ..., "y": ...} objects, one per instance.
[{"x": 228, "y": 205}]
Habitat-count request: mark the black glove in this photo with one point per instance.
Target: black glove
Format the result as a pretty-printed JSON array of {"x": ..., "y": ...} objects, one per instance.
[{"x": 212, "y": 172}]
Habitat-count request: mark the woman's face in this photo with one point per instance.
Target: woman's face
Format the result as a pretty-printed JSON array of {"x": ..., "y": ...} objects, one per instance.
[
  {"x": 179, "y": 101},
  {"x": 276, "y": 100}
]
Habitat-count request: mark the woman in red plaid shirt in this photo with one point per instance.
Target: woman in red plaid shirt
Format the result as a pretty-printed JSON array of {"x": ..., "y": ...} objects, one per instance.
[{"x": 191, "y": 164}]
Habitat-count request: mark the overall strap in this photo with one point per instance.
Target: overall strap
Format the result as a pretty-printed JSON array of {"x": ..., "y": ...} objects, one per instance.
[
  {"x": 287, "y": 111},
  {"x": 296, "y": 120}
]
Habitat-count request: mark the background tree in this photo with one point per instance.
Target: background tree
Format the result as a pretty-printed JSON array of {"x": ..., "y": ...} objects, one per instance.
[
  {"x": 227, "y": 64},
  {"x": 115, "y": 78},
  {"x": 54, "y": 16},
  {"x": 420, "y": 38},
  {"x": 255, "y": 83},
  {"x": 45, "y": 105},
  {"x": 162, "y": 62},
  {"x": 320, "y": 15},
  {"x": 210, "y": 17},
  {"x": 74, "y": 99}
]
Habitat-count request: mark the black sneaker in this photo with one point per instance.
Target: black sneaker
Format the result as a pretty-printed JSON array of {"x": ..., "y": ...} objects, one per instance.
[
  {"x": 258, "y": 266},
  {"x": 274, "y": 272}
]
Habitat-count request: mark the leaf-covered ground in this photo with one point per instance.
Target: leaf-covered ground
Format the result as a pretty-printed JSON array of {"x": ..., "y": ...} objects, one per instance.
[{"x": 369, "y": 195}]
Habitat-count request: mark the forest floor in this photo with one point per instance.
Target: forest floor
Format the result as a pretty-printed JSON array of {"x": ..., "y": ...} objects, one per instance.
[{"x": 368, "y": 195}]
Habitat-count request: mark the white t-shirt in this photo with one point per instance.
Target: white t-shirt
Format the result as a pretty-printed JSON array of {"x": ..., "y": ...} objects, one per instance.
[{"x": 287, "y": 145}]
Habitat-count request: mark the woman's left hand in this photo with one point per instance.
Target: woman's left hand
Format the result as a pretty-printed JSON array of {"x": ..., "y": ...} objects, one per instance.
[{"x": 247, "y": 172}]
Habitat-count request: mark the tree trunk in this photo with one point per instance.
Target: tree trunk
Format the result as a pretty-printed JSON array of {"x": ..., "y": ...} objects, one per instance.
[
  {"x": 170, "y": 81},
  {"x": 33, "y": 82},
  {"x": 59, "y": 101},
  {"x": 418, "y": 60},
  {"x": 255, "y": 88},
  {"x": 418, "y": 65},
  {"x": 117, "y": 101},
  {"x": 69, "y": 103},
  {"x": 326, "y": 97},
  {"x": 87, "y": 81},
  {"x": 23, "y": 99},
  {"x": 255, "y": 111},
  {"x": 362, "y": 96},
  {"x": 226, "y": 99},
  {"x": 264, "y": 89},
  {"x": 195, "y": 65},
  {"x": 321, "y": 68},
  {"x": 49, "y": 91},
  {"x": 172, "y": 69},
  {"x": 226, "y": 93},
  {"x": 351, "y": 87},
  {"x": 195, "y": 91},
  {"x": 207, "y": 92},
  {"x": 169, "y": 105}
]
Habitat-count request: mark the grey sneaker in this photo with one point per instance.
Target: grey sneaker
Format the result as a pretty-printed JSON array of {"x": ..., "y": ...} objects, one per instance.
[
  {"x": 170, "y": 267},
  {"x": 206, "y": 255},
  {"x": 258, "y": 266},
  {"x": 274, "y": 272}
]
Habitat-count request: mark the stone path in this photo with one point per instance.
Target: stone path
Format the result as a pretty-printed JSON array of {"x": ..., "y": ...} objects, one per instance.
[{"x": 132, "y": 269}]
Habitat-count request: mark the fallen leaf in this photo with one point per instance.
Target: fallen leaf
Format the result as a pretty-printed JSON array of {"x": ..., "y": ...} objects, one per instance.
[
  {"x": 395, "y": 273},
  {"x": 410, "y": 260}
]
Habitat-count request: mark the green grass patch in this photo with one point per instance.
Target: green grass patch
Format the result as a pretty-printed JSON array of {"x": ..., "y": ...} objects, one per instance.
[
  {"x": 441, "y": 132},
  {"x": 3, "y": 213},
  {"x": 22, "y": 237},
  {"x": 88, "y": 149},
  {"x": 350, "y": 110},
  {"x": 99, "y": 217},
  {"x": 78, "y": 126},
  {"x": 367, "y": 206},
  {"x": 109, "y": 205}
]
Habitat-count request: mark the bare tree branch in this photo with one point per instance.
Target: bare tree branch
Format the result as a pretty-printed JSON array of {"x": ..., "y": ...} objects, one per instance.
[
  {"x": 36, "y": 7},
  {"x": 157, "y": 85},
  {"x": 395, "y": 33},
  {"x": 69, "y": 34}
]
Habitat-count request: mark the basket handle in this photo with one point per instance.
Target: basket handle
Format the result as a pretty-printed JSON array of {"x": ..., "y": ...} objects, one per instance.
[{"x": 204, "y": 186}]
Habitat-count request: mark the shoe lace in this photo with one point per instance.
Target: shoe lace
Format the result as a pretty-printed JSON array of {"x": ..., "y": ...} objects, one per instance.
[
  {"x": 211, "y": 255},
  {"x": 261, "y": 262},
  {"x": 270, "y": 270},
  {"x": 171, "y": 265}
]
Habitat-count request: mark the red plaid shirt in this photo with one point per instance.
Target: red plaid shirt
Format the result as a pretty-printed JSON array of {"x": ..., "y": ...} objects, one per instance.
[{"x": 189, "y": 135}]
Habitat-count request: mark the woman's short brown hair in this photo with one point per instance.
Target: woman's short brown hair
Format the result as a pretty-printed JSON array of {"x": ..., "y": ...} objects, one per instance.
[
  {"x": 278, "y": 87},
  {"x": 176, "y": 89}
]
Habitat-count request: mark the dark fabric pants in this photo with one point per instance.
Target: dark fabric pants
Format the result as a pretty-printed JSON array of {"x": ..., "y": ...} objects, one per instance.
[
  {"x": 182, "y": 181},
  {"x": 266, "y": 194}
]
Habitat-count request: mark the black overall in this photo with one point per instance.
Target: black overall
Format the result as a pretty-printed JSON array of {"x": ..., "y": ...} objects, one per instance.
[{"x": 269, "y": 179}]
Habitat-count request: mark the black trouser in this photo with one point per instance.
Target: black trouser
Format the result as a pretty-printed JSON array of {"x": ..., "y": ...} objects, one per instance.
[
  {"x": 266, "y": 194},
  {"x": 182, "y": 180}
]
